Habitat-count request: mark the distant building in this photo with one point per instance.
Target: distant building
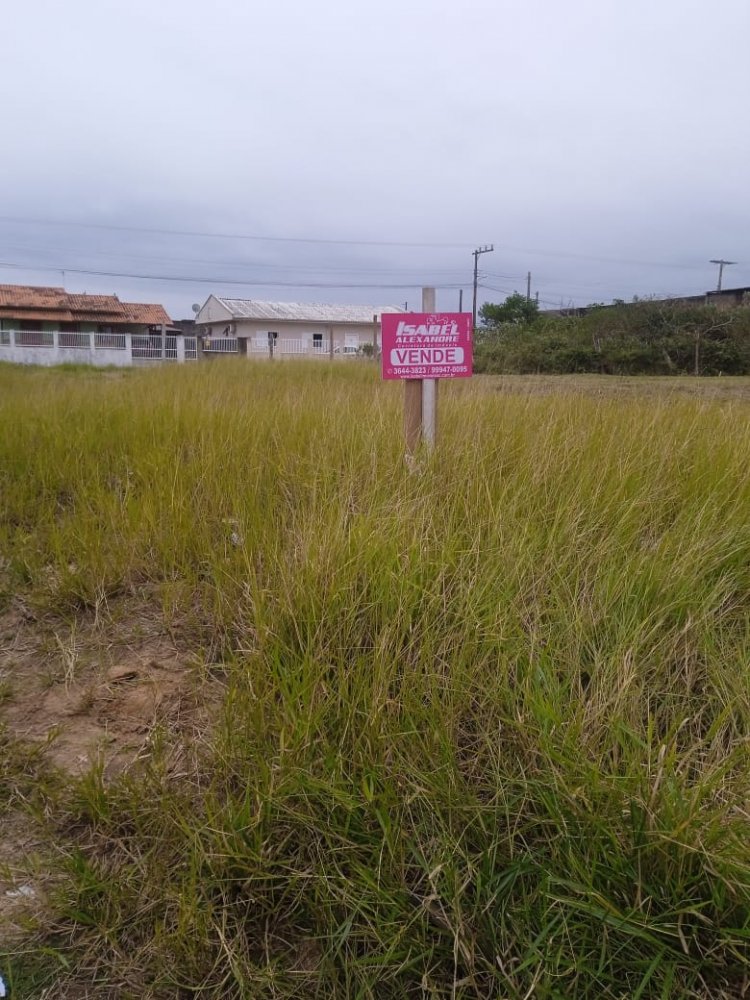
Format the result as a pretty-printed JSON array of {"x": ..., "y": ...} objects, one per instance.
[
  {"x": 727, "y": 298},
  {"x": 253, "y": 328},
  {"x": 49, "y": 326}
]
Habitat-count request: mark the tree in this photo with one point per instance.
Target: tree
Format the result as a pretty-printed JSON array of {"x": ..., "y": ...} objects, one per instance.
[{"x": 517, "y": 310}]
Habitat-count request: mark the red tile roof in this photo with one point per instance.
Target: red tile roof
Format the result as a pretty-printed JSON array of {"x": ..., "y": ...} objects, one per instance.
[
  {"x": 27, "y": 297},
  {"x": 143, "y": 312},
  {"x": 38, "y": 303},
  {"x": 93, "y": 303}
]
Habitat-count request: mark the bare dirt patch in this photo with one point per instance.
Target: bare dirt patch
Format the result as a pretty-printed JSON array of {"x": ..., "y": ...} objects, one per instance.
[
  {"x": 95, "y": 693},
  {"x": 82, "y": 693}
]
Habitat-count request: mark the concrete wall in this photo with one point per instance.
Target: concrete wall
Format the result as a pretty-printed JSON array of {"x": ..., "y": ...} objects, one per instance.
[
  {"x": 56, "y": 355},
  {"x": 48, "y": 356}
]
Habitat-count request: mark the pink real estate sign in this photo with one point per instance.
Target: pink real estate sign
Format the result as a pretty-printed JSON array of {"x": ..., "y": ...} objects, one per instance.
[{"x": 426, "y": 345}]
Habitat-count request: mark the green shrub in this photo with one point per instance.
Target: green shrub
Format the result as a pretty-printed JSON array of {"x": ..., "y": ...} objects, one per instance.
[{"x": 645, "y": 338}]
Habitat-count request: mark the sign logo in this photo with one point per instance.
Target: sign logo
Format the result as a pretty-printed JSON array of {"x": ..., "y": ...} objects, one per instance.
[{"x": 426, "y": 345}]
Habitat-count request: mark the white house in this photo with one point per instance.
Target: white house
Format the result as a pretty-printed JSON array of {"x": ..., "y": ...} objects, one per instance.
[
  {"x": 49, "y": 326},
  {"x": 264, "y": 329}
]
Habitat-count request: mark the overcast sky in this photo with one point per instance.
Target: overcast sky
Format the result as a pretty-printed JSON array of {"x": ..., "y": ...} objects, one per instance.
[{"x": 602, "y": 144}]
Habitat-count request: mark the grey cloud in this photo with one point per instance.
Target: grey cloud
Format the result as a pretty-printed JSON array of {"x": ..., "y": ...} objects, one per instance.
[{"x": 591, "y": 131}]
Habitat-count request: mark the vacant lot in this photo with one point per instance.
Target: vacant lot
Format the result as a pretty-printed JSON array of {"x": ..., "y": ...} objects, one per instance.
[{"x": 280, "y": 718}]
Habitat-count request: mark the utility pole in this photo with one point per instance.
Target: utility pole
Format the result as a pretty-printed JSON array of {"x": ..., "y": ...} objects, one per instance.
[
  {"x": 460, "y": 300},
  {"x": 476, "y": 253},
  {"x": 722, "y": 264},
  {"x": 528, "y": 286}
]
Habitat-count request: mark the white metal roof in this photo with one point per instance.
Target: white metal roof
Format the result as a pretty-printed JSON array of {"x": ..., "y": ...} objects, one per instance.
[{"x": 304, "y": 312}]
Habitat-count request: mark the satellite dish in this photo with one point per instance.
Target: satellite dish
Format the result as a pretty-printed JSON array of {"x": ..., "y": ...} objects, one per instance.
[{"x": 195, "y": 307}]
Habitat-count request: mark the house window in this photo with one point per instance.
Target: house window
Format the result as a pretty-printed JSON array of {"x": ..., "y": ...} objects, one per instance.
[
  {"x": 317, "y": 341},
  {"x": 272, "y": 336}
]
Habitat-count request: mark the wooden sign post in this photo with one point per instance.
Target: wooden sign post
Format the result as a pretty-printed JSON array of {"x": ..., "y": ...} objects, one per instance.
[
  {"x": 429, "y": 385},
  {"x": 412, "y": 414}
]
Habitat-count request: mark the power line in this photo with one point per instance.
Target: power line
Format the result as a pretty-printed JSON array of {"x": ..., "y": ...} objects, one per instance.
[
  {"x": 264, "y": 283},
  {"x": 455, "y": 273},
  {"x": 520, "y": 277},
  {"x": 494, "y": 288},
  {"x": 598, "y": 259},
  {"x": 19, "y": 220},
  {"x": 504, "y": 277},
  {"x": 506, "y": 291},
  {"x": 229, "y": 236}
]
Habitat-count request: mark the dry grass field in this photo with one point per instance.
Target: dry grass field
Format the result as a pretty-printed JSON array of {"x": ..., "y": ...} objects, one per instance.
[{"x": 281, "y": 718}]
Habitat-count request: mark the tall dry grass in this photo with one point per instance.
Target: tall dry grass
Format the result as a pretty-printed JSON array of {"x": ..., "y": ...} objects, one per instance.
[{"x": 485, "y": 727}]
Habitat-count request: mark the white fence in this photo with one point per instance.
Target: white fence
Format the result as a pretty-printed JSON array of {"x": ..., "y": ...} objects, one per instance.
[
  {"x": 110, "y": 341},
  {"x": 221, "y": 345},
  {"x": 48, "y": 347},
  {"x": 289, "y": 346},
  {"x": 34, "y": 338},
  {"x": 65, "y": 339},
  {"x": 150, "y": 348},
  {"x": 74, "y": 340},
  {"x": 53, "y": 347},
  {"x": 146, "y": 348}
]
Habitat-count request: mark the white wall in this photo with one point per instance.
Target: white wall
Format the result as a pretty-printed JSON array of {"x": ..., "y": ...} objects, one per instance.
[
  {"x": 256, "y": 331},
  {"x": 212, "y": 311},
  {"x": 48, "y": 356}
]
